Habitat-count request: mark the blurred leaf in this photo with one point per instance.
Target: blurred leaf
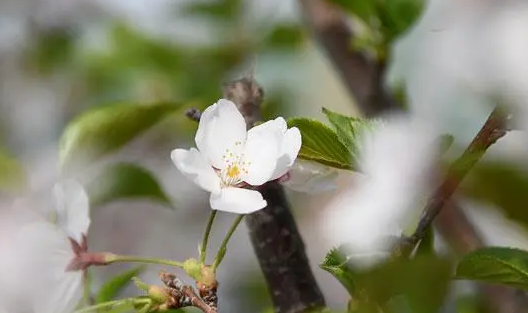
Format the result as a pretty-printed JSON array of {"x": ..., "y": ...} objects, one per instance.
[
  {"x": 125, "y": 180},
  {"x": 51, "y": 48},
  {"x": 12, "y": 174},
  {"x": 103, "y": 130},
  {"x": 335, "y": 263},
  {"x": 397, "y": 16},
  {"x": 321, "y": 144},
  {"x": 423, "y": 281},
  {"x": 111, "y": 289},
  {"x": 284, "y": 37},
  {"x": 498, "y": 265},
  {"x": 502, "y": 184}
]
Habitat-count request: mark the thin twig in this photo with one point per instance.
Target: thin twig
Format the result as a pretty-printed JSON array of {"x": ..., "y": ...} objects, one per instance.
[
  {"x": 492, "y": 130},
  {"x": 183, "y": 295}
]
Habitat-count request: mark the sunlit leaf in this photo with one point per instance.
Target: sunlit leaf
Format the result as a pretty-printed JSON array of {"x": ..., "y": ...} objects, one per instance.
[
  {"x": 103, "y": 130},
  {"x": 321, "y": 144},
  {"x": 499, "y": 265},
  {"x": 110, "y": 289},
  {"x": 125, "y": 181}
]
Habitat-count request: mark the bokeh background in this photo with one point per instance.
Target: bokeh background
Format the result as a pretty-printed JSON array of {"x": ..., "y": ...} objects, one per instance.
[{"x": 59, "y": 58}]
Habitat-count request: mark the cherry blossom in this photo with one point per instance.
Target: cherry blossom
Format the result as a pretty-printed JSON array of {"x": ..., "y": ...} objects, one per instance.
[
  {"x": 310, "y": 177},
  {"x": 43, "y": 249},
  {"x": 397, "y": 161},
  {"x": 230, "y": 161}
]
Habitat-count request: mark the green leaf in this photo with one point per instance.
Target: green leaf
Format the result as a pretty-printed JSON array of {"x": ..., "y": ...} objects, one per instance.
[
  {"x": 348, "y": 128},
  {"x": 335, "y": 263},
  {"x": 498, "y": 265},
  {"x": 321, "y": 144},
  {"x": 397, "y": 16},
  {"x": 103, "y": 130},
  {"x": 114, "y": 286},
  {"x": 502, "y": 184},
  {"x": 423, "y": 281},
  {"x": 125, "y": 181},
  {"x": 12, "y": 174}
]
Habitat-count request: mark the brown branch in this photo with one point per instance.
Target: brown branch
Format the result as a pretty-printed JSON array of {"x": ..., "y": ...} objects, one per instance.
[
  {"x": 362, "y": 76},
  {"x": 274, "y": 235}
]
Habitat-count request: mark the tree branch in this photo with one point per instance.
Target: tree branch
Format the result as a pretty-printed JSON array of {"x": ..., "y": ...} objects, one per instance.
[
  {"x": 363, "y": 79},
  {"x": 274, "y": 235},
  {"x": 362, "y": 76},
  {"x": 492, "y": 130}
]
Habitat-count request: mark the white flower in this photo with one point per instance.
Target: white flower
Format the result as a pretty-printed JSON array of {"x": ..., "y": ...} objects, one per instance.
[
  {"x": 397, "y": 160},
  {"x": 310, "y": 177},
  {"x": 230, "y": 159},
  {"x": 43, "y": 249}
]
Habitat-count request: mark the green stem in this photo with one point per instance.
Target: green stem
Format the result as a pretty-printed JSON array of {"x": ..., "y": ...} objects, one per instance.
[
  {"x": 87, "y": 288},
  {"x": 136, "y": 259},
  {"x": 205, "y": 240},
  {"x": 223, "y": 247},
  {"x": 111, "y": 304}
]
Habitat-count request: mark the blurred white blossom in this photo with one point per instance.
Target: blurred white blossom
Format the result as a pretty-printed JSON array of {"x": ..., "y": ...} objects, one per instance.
[
  {"x": 310, "y": 177},
  {"x": 36, "y": 259},
  {"x": 396, "y": 159},
  {"x": 462, "y": 56},
  {"x": 229, "y": 159}
]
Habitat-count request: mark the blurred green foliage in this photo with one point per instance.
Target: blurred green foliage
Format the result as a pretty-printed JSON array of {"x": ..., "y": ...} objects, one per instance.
[{"x": 497, "y": 265}]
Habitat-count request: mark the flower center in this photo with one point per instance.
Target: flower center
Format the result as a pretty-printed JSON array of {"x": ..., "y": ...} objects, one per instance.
[
  {"x": 234, "y": 166},
  {"x": 233, "y": 171}
]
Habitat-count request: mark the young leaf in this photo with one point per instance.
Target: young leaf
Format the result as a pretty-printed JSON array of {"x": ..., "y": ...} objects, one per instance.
[
  {"x": 335, "y": 263},
  {"x": 12, "y": 174},
  {"x": 499, "y": 265},
  {"x": 105, "y": 129},
  {"x": 321, "y": 144},
  {"x": 114, "y": 286},
  {"x": 124, "y": 181}
]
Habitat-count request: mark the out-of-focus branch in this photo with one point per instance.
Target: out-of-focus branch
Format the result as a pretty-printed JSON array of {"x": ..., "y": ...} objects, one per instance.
[
  {"x": 491, "y": 131},
  {"x": 363, "y": 79},
  {"x": 362, "y": 76},
  {"x": 276, "y": 240}
]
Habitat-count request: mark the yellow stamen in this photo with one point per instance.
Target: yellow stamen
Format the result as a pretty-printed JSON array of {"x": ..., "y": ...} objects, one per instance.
[{"x": 233, "y": 171}]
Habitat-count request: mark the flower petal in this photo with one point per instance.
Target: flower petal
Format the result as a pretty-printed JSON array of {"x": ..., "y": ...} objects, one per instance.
[
  {"x": 311, "y": 177},
  {"x": 222, "y": 127},
  {"x": 261, "y": 152},
  {"x": 43, "y": 254},
  {"x": 65, "y": 295},
  {"x": 73, "y": 209},
  {"x": 195, "y": 167},
  {"x": 291, "y": 144},
  {"x": 237, "y": 200}
]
